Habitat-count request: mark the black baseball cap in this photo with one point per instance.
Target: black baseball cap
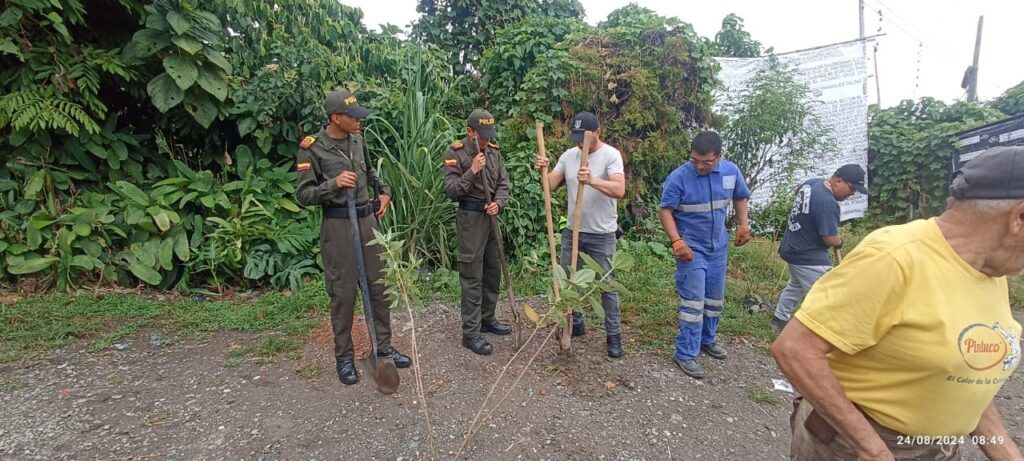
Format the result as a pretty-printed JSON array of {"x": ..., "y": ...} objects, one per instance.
[
  {"x": 581, "y": 123},
  {"x": 996, "y": 174},
  {"x": 344, "y": 102},
  {"x": 853, "y": 174},
  {"x": 482, "y": 122}
]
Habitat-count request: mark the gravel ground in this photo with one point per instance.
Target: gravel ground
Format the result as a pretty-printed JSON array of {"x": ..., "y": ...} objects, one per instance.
[{"x": 176, "y": 399}]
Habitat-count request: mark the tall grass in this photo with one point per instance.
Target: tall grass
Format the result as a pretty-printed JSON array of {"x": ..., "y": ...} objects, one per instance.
[{"x": 410, "y": 153}]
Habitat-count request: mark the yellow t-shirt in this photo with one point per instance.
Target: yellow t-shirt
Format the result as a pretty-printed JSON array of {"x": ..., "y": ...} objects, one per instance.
[{"x": 924, "y": 341}]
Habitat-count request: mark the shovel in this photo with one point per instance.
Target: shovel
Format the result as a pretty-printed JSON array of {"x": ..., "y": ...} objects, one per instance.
[
  {"x": 382, "y": 369},
  {"x": 501, "y": 256}
]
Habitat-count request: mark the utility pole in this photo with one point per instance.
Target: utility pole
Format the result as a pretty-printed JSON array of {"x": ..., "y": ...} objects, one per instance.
[
  {"x": 861, "y": 4},
  {"x": 972, "y": 84}
]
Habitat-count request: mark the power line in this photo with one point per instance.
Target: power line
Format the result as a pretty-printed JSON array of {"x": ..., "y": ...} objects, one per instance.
[{"x": 908, "y": 23}]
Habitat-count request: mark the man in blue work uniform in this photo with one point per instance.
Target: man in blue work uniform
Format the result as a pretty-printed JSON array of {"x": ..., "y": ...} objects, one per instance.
[{"x": 694, "y": 209}]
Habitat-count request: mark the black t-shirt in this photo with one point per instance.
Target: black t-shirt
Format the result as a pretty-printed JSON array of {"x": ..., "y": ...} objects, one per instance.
[{"x": 815, "y": 214}]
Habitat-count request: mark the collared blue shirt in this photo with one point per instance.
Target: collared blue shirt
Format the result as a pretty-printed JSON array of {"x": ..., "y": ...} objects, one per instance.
[{"x": 701, "y": 204}]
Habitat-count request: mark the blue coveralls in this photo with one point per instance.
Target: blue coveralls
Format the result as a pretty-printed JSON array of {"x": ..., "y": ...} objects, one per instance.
[{"x": 700, "y": 206}]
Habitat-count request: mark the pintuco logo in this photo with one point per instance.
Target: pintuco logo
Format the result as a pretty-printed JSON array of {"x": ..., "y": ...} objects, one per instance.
[{"x": 984, "y": 347}]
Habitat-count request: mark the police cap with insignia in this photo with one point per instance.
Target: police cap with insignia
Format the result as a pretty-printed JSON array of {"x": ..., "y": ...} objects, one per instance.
[
  {"x": 482, "y": 122},
  {"x": 344, "y": 102}
]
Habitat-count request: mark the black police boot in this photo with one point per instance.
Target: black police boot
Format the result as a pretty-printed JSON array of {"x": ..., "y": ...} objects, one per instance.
[
  {"x": 496, "y": 327},
  {"x": 401, "y": 361},
  {"x": 579, "y": 327},
  {"x": 347, "y": 371},
  {"x": 615, "y": 346},
  {"x": 477, "y": 344}
]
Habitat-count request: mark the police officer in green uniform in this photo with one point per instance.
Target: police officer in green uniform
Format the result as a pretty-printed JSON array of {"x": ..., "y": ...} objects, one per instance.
[
  {"x": 327, "y": 163},
  {"x": 466, "y": 171}
]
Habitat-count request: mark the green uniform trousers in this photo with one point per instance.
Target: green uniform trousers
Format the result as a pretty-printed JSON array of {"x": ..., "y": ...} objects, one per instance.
[
  {"x": 342, "y": 280},
  {"x": 479, "y": 270}
]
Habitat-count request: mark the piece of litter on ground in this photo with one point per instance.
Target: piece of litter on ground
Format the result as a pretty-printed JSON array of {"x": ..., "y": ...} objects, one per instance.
[
  {"x": 121, "y": 346},
  {"x": 782, "y": 385}
]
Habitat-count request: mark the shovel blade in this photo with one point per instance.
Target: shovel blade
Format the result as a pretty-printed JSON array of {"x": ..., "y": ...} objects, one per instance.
[{"x": 384, "y": 373}]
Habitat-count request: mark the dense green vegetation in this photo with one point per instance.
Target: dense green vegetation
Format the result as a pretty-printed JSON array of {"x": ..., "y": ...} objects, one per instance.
[{"x": 152, "y": 143}]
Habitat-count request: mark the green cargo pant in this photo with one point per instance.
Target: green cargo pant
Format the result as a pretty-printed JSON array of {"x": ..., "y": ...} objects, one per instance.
[
  {"x": 479, "y": 270},
  {"x": 342, "y": 280}
]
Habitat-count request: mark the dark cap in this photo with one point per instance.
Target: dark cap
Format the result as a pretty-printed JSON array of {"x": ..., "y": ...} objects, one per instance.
[
  {"x": 581, "y": 123},
  {"x": 996, "y": 174},
  {"x": 853, "y": 174},
  {"x": 482, "y": 122},
  {"x": 344, "y": 102}
]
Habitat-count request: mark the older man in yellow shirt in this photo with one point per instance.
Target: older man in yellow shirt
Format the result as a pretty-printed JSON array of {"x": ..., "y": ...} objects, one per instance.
[{"x": 899, "y": 351}]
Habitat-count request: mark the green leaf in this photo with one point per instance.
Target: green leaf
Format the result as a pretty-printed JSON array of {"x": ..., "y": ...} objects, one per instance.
[
  {"x": 182, "y": 70},
  {"x": 178, "y": 22},
  {"x": 164, "y": 92},
  {"x": 622, "y": 260},
  {"x": 133, "y": 192},
  {"x": 560, "y": 273},
  {"x": 591, "y": 264},
  {"x": 120, "y": 150},
  {"x": 32, "y": 265},
  {"x": 10, "y": 17},
  {"x": 288, "y": 205},
  {"x": 595, "y": 304},
  {"x": 172, "y": 182},
  {"x": 91, "y": 248},
  {"x": 133, "y": 215},
  {"x": 163, "y": 222},
  {"x": 181, "y": 247},
  {"x": 83, "y": 229},
  {"x": 145, "y": 43},
  {"x": 33, "y": 237},
  {"x": 8, "y": 47},
  {"x": 243, "y": 160},
  {"x": 35, "y": 184},
  {"x": 167, "y": 254},
  {"x": 202, "y": 109},
  {"x": 246, "y": 125},
  {"x": 584, "y": 277},
  {"x": 82, "y": 261},
  {"x": 213, "y": 84},
  {"x": 40, "y": 220},
  {"x": 145, "y": 273},
  {"x": 187, "y": 44},
  {"x": 217, "y": 59}
]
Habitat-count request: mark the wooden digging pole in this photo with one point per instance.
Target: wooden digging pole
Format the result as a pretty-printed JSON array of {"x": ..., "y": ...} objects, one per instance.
[{"x": 564, "y": 339}]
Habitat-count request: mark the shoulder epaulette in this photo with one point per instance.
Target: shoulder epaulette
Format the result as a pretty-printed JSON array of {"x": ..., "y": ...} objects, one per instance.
[
  {"x": 457, "y": 145},
  {"x": 307, "y": 142}
]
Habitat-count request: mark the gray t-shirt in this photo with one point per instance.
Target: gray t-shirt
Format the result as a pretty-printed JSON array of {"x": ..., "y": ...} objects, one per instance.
[{"x": 600, "y": 212}]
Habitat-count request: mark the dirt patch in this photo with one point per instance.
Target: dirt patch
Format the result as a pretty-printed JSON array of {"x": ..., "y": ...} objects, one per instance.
[{"x": 180, "y": 401}]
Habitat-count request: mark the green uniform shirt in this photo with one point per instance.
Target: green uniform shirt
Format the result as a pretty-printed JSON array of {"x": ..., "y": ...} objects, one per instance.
[
  {"x": 319, "y": 162},
  {"x": 460, "y": 183}
]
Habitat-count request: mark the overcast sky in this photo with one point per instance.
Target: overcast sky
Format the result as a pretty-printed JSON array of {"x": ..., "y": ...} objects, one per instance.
[{"x": 947, "y": 28}]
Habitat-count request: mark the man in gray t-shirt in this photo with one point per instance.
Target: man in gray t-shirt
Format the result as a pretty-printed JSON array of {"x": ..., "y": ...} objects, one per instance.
[{"x": 606, "y": 181}]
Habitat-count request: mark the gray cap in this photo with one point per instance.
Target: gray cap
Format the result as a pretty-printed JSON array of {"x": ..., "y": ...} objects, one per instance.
[
  {"x": 998, "y": 173},
  {"x": 482, "y": 122},
  {"x": 344, "y": 102}
]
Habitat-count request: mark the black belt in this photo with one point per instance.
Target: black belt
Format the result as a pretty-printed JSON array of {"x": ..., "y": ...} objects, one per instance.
[
  {"x": 341, "y": 212},
  {"x": 473, "y": 206}
]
